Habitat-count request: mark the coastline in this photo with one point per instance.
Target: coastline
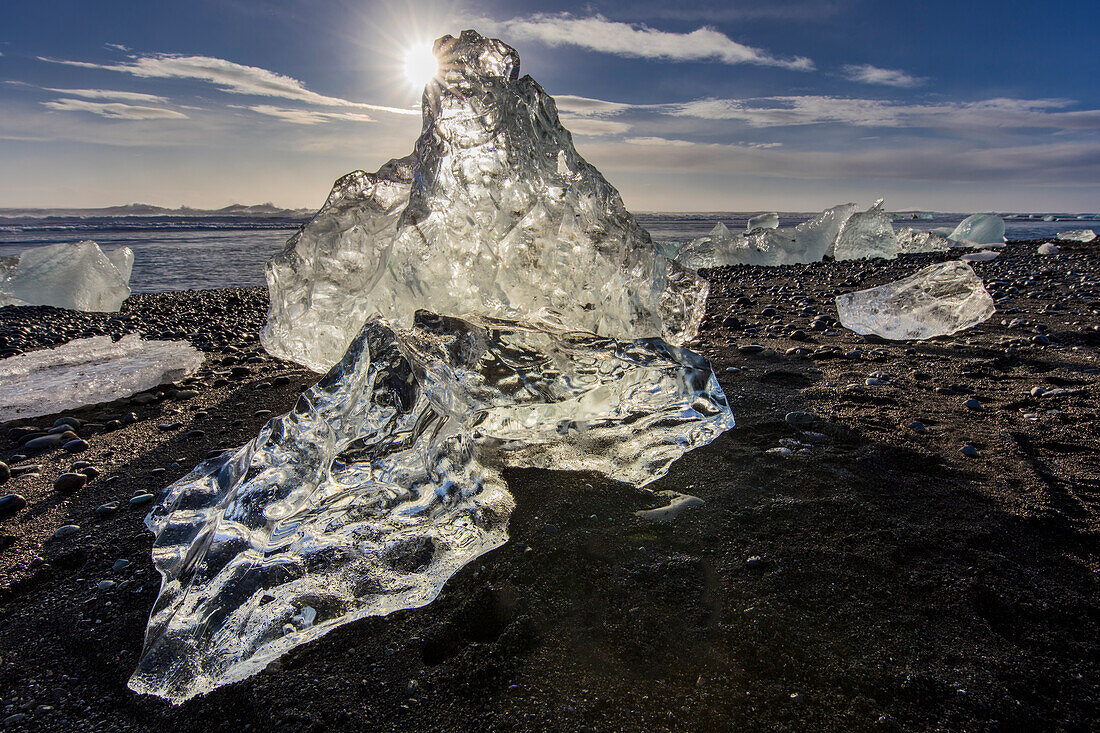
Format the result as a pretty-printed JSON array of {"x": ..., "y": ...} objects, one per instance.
[{"x": 875, "y": 578}]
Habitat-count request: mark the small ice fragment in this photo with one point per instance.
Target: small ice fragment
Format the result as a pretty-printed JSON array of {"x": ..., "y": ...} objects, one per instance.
[
  {"x": 867, "y": 234},
  {"x": 911, "y": 241},
  {"x": 980, "y": 229},
  {"x": 1049, "y": 248},
  {"x": 1077, "y": 235},
  {"x": 763, "y": 221},
  {"x": 677, "y": 502},
  {"x": 984, "y": 256},
  {"x": 940, "y": 299},
  {"x": 74, "y": 276},
  {"x": 88, "y": 372}
]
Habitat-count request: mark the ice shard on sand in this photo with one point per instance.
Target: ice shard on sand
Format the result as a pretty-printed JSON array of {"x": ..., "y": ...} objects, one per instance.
[
  {"x": 938, "y": 300},
  {"x": 75, "y": 276},
  {"x": 494, "y": 212},
  {"x": 385, "y": 479}
]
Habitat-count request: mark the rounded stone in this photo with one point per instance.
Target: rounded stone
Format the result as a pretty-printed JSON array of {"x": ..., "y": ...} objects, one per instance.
[
  {"x": 64, "y": 531},
  {"x": 11, "y": 503},
  {"x": 800, "y": 419},
  {"x": 67, "y": 482}
]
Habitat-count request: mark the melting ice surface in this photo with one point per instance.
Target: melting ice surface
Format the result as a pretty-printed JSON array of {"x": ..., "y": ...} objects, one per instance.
[
  {"x": 75, "y": 276},
  {"x": 1077, "y": 235},
  {"x": 89, "y": 371},
  {"x": 980, "y": 229},
  {"x": 494, "y": 212},
  {"x": 938, "y": 300},
  {"x": 384, "y": 481}
]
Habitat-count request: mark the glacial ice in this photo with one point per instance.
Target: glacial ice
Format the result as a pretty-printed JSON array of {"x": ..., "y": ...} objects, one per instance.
[
  {"x": 763, "y": 221},
  {"x": 75, "y": 276},
  {"x": 384, "y": 481},
  {"x": 911, "y": 241},
  {"x": 867, "y": 234},
  {"x": 984, "y": 255},
  {"x": 88, "y": 372},
  {"x": 808, "y": 242},
  {"x": 494, "y": 213},
  {"x": 1048, "y": 248},
  {"x": 980, "y": 229},
  {"x": 941, "y": 299},
  {"x": 1077, "y": 235},
  {"x": 123, "y": 260}
]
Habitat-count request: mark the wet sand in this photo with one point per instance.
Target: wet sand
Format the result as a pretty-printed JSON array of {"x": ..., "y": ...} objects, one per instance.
[{"x": 873, "y": 578}]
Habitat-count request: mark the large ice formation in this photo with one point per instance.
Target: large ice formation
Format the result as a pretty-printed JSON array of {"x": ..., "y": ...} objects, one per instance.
[
  {"x": 763, "y": 221},
  {"x": 808, "y": 242},
  {"x": 89, "y": 371},
  {"x": 75, "y": 276},
  {"x": 938, "y": 300},
  {"x": 1077, "y": 235},
  {"x": 980, "y": 229},
  {"x": 911, "y": 241},
  {"x": 494, "y": 212},
  {"x": 384, "y": 481},
  {"x": 867, "y": 234}
]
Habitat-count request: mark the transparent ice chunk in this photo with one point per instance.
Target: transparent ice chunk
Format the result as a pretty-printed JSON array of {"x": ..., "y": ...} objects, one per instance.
[
  {"x": 494, "y": 213},
  {"x": 1048, "y": 248},
  {"x": 983, "y": 256},
  {"x": 867, "y": 234},
  {"x": 75, "y": 276},
  {"x": 384, "y": 481},
  {"x": 808, "y": 242},
  {"x": 763, "y": 221},
  {"x": 123, "y": 260},
  {"x": 911, "y": 241},
  {"x": 941, "y": 299},
  {"x": 88, "y": 372},
  {"x": 980, "y": 229},
  {"x": 1077, "y": 235}
]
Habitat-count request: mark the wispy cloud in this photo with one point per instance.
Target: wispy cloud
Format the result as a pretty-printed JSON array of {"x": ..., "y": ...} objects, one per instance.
[
  {"x": 635, "y": 40},
  {"x": 588, "y": 107},
  {"x": 110, "y": 94},
  {"x": 117, "y": 47},
  {"x": 228, "y": 76},
  {"x": 869, "y": 74},
  {"x": 305, "y": 116},
  {"x": 816, "y": 110},
  {"x": 115, "y": 110},
  {"x": 709, "y": 11}
]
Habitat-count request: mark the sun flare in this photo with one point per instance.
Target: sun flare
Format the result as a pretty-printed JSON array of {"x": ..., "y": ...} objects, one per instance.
[{"x": 420, "y": 64}]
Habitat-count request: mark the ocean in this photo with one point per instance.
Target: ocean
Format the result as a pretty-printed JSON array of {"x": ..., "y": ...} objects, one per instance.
[{"x": 202, "y": 252}]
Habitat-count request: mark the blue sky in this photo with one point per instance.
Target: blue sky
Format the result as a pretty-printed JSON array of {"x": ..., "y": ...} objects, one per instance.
[{"x": 783, "y": 105}]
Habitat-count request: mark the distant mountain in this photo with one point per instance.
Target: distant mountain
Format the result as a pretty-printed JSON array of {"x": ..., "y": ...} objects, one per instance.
[{"x": 254, "y": 211}]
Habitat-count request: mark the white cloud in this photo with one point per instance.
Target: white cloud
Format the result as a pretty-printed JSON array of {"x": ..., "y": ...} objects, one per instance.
[
  {"x": 586, "y": 106},
  {"x": 634, "y": 40},
  {"x": 110, "y": 94},
  {"x": 874, "y": 75},
  {"x": 117, "y": 47},
  {"x": 228, "y": 76},
  {"x": 816, "y": 110},
  {"x": 306, "y": 116},
  {"x": 593, "y": 127},
  {"x": 115, "y": 110},
  {"x": 659, "y": 142}
]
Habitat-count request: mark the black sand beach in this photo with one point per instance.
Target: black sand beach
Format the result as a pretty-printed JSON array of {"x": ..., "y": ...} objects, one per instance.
[{"x": 873, "y": 578}]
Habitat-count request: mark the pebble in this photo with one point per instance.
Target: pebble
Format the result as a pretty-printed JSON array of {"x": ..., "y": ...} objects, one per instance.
[
  {"x": 969, "y": 451},
  {"x": 140, "y": 499},
  {"x": 105, "y": 585},
  {"x": 185, "y": 394},
  {"x": 72, "y": 422},
  {"x": 800, "y": 419},
  {"x": 917, "y": 426},
  {"x": 779, "y": 451},
  {"x": 67, "y": 482},
  {"x": 64, "y": 531},
  {"x": 45, "y": 442},
  {"x": 120, "y": 565},
  {"x": 75, "y": 446},
  {"x": 972, "y": 404},
  {"x": 5, "y": 473},
  {"x": 106, "y": 510},
  {"x": 11, "y": 503},
  {"x": 750, "y": 348}
]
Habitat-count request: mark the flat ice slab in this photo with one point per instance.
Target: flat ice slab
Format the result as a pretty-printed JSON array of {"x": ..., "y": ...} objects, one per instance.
[
  {"x": 1077, "y": 235},
  {"x": 88, "y": 372},
  {"x": 939, "y": 300}
]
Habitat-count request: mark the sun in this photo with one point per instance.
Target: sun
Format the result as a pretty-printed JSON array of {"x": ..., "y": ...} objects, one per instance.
[{"x": 420, "y": 64}]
